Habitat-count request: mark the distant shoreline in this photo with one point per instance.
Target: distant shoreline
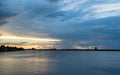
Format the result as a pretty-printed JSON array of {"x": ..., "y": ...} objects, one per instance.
[
  {"x": 4, "y": 48},
  {"x": 62, "y": 50},
  {"x": 76, "y": 50}
]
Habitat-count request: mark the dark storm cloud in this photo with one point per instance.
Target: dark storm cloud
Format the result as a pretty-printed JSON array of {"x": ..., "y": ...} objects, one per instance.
[
  {"x": 5, "y": 16},
  {"x": 75, "y": 22},
  {"x": 39, "y": 9},
  {"x": 5, "y": 13},
  {"x": 3, "y": 22},
  {"x": 94, "y": 33}
]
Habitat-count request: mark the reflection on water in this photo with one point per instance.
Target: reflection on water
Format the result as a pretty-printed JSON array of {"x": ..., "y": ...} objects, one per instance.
[{"x": 60, "y": 63}]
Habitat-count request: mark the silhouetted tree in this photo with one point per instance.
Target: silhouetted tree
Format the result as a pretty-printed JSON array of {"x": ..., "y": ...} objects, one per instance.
[{"x": 4, "y": 48}]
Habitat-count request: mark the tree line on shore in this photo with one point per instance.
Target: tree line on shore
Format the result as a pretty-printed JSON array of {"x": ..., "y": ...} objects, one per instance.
[{"x": 4, "y": 48}]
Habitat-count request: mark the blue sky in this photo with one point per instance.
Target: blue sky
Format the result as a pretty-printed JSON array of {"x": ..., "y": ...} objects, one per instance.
[{"x": 77, "y": 23}]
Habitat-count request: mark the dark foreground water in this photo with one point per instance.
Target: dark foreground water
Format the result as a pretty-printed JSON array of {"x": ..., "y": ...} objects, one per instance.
[{"x": 60, "y": 63}]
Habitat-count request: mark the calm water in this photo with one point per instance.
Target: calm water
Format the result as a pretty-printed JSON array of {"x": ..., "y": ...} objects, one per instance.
[{"x": 60, "y": 63}]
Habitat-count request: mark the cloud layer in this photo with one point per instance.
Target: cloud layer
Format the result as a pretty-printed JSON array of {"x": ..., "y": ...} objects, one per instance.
[{"x": 78, "y": 23}]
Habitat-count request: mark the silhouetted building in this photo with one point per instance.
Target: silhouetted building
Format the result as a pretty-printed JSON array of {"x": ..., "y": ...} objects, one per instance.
[{"x": 96, "y": 48}]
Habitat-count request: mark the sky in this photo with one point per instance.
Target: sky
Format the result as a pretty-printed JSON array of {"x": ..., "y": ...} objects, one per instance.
[{"x": 60, "y": 23}]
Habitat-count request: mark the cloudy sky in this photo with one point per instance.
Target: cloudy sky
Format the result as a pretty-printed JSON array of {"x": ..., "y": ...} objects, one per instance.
[{"x": 60, "y": 23}]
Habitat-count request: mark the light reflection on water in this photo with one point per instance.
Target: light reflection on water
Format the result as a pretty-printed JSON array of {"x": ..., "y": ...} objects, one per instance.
[{"x": 60, "y": 63}]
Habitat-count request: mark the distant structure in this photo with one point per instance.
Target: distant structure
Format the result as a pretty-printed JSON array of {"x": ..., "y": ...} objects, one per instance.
[{"x": 96, "y": 48}]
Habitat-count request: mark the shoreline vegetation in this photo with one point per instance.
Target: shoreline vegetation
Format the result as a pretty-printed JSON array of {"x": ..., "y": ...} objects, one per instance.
[{"x": 4, "y": 48}]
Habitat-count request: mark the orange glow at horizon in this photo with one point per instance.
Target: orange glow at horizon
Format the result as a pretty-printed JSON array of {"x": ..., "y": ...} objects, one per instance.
[{"x": 26, "y": 42}]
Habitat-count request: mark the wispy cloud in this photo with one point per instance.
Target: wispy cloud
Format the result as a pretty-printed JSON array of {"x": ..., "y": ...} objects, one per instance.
[{"x": 103, "y": 10}]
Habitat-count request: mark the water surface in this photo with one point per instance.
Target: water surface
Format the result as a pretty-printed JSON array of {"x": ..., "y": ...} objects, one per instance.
[{"x": 60, "y": 63}]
